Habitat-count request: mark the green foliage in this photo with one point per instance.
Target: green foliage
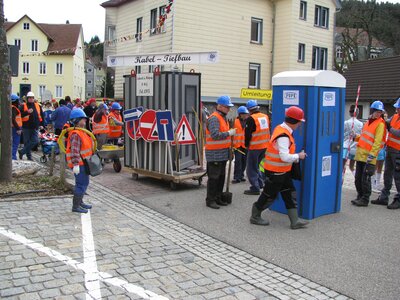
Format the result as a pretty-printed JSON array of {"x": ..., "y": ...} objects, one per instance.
[{"x": 94, "y": 49}]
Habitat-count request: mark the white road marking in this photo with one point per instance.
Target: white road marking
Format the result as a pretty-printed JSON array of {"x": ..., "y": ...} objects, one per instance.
[
  {"x": 106, "y": 277},
  {"x": 92, "y": 281}
]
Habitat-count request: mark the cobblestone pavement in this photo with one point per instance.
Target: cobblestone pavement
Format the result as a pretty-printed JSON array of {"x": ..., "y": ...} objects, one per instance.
[{"x": 137, "y": 253}]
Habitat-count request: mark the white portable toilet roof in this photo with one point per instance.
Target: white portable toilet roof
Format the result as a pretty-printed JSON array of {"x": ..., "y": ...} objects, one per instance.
[{"x": 310, "y": 78}]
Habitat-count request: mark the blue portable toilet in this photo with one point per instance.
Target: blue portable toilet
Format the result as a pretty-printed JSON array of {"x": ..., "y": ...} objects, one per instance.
[{"x": 321, "y": 94}]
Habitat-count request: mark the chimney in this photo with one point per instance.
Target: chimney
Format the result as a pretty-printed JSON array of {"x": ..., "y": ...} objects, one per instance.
[{"x": 67, "y": 22}]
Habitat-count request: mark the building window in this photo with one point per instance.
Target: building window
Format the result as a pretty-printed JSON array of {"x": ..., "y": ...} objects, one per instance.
[
  {"x": 89, "y": 94},
  {"x": 161, "y": 13},
  {"x": 301, "y": 52},
  {"x": 303, "y": 10},
  {"x": 321, "y": 16},
  {"x": 34, "y": 45},
  {"x": 138, "y": 69},
  {"x": 17, "y": 42},
  {"x": 25, "y": 68},
  {"x": 139, "y": 28},
  {"x": 42, "y": 88},
  {"x": 111, "y": 33},
  {"x": 373, "y": 55},
  {"x": 319, "y": 58},
  {"x": 59, "y": 91},
  {"x": 89, "y": 82},
  {"x": 339, "y": 52},
  {"x": 42, "y": 68},
  {"x": 26, "y": 26},
  {"x": 59, "y": 68},
  {"x": 256, "y": 30},
  {"x": 90, "y": 70},
  {"x": 254, "y": 76},
  {"x": 153, "y": 21}
]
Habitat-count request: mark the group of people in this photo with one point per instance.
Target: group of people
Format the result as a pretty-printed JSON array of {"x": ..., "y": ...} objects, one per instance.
[
  {"x": 253, "y": 145},
  {"x": 367, "y": 145}
]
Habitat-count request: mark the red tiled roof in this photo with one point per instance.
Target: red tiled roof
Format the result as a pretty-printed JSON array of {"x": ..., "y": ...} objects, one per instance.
[
  {"x": 63, "y": 38},
  {"x": 379, "y": 79}
]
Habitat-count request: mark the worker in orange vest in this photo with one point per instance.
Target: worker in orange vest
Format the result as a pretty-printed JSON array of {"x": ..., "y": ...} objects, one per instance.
[
  {"x": 79, "y": 147},
  {"x": 32, "y": 120},
  {"x": 238, "y": 145},
  {"x": 370, "y": 142},
  {"x": 256, "y": 136},
  {"x": 116, "y": 123},
  {"x": 16, "y": 123},
  {"x": 217, "y": 147},
  {"x": 100, "y": 125},
  {"x": 279, "y": 157}
]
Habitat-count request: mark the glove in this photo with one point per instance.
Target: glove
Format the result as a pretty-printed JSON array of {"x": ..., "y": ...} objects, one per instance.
[
  {"x": 369, "y": 169},
  {"x": 232, "y": 131},
  {"x": 388, "y": 126},
  {"x": 370, "y": 158},
  {"x": 76, "y": 170}
]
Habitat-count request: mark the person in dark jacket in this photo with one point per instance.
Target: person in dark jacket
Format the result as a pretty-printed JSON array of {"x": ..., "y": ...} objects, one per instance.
[
  {"x": 16, "y": 121},
  {"x": 60, "y": 116},
  {"x": 32, "y": 120},
  {"x": 90, "y": 109}
]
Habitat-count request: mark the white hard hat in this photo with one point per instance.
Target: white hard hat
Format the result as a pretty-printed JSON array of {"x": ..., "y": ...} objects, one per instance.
[{"x": 30, "y": 94}]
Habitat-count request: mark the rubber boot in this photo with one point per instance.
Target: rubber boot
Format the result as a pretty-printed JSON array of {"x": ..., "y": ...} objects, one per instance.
[
  {"x": 256, "y": 217},
  {"x": 76, "y": 201},
  {"x": 294, "y": 219},
  {"x": 84, "y": 205}
]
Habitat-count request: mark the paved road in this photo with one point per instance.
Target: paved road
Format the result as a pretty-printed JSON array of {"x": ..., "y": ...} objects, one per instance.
[{"x": 174, "y": 247}]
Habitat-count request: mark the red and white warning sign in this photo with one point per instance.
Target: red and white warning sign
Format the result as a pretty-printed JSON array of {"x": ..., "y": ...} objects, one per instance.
[
  {"x": 184, "y": 132},
  {"x": 148, "y": 125},
  {"x": 132, "y": 128}
]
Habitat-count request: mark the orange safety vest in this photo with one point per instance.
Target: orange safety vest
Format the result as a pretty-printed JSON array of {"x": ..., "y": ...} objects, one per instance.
[
  {"x": 18, "y": 117},
  {"x": 212, "y": 144},
  {"x": 273, "y": 161},
  {"x": 394, "y": 141},
  {"x": 25, "y": 108},
  {"x": 238, "y": 139},
  {"x": 101, "y": 127},
  {"x": 115, "y": 130},
  {"x": 260, "y": 137},
  {"x": 367, "y": 137},
  {"x": 87, "y": 146}
]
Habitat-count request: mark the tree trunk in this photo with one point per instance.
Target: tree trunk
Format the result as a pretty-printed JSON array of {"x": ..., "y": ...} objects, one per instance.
[{"x": 5, "y": 84}]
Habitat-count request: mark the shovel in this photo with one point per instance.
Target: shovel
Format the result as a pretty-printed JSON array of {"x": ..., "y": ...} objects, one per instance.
[{"x": 227, "y": 196}]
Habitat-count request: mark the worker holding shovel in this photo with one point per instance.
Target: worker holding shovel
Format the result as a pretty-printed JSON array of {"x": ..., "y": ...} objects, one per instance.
[{"x": 217, "y": 148}]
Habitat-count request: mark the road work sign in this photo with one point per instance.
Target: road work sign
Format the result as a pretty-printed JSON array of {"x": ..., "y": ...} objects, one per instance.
[{"x": 256, "y": 94}]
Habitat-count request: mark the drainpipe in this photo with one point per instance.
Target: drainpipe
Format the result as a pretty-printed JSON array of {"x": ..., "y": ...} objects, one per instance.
[{"x": 273, "y": 42}]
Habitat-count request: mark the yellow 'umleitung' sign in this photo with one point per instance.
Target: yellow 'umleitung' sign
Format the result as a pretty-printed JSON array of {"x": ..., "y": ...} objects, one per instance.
[{"x": 256, "y": 94}]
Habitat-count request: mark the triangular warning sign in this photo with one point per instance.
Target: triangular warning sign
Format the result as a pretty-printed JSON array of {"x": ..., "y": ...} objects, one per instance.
[
  {"x": 184, "y": 132},
  {"x": 154, "y": 134}
]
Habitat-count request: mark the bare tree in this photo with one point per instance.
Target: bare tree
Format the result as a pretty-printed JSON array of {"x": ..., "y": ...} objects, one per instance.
[{"x": 5, "y": 83}]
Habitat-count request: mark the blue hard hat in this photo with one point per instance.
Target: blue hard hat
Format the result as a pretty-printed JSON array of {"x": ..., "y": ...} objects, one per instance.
[
  {"x": 14, "y": 97},
  {"x": 225, "y": 100},
  {"x": 103, "y": 106},
  {"x": 77, "y": 113},
  {"x": 397, "y": 104},
  {"x": 242, "y": 110},
  {"x": 251, "y": 104},
  {"x": 378, "y": 105},
  {"x": 116, "y": 105}
]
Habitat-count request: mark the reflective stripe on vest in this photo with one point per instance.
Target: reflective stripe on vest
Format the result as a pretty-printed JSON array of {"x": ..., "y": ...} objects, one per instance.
[
  {"x": 273, "y": 161},
  {"x": 367, "y": 137},
  {"x": 86, "y": 147},
  {"x": 18, "y": 117},
  {"x": 212, "y": 144},
  {"x": 238, "y": 139},
  {"x": 261, "y": 136},
  {"x": 102, "y": 127},
  {"x": 394, "y": 141},
  {"x": 25, "y": 109},
  {"x": 115, "y": 130}
]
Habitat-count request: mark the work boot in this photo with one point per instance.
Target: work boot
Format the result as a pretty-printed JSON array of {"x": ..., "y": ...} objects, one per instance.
[
  {"x": 251, "y": 192},
  {"x": 394, "y": 205},
  {"x": 379, "y": 201},
  {"x": 212, "y": 204},
  {"x": 294, "y": 219},
  {"x": 76, "y": 201},
  {"x": 221, "y": 202},
  {"x": 236, "y": 181},
  {"x": 256, "y": 216},
  {"x": 360, "y": 202},
  {"x": 80, "y": 210},
  {"x": 354, "y": 200},
  {"x": 20, "y": 154},
  {"x": 86, "y": 206}
]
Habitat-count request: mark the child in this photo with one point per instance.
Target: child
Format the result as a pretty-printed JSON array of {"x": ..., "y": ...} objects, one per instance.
[{"x": 79, "y": 146}]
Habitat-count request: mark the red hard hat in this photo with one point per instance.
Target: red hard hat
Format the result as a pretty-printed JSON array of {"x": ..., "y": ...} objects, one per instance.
[{"x": 296, "y": 113}]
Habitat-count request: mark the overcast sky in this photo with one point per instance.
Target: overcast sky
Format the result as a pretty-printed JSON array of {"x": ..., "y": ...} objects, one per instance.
[{"x": 89, "y": 13}]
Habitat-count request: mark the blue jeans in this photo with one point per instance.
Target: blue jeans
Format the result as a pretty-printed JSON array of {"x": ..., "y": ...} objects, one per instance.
[
  {"x": 240, "y": 164},
  {"x": 254, "y": 157},
  {"x": 16, "y": 138},
  {"x": 81, "y": 182},
  {"x": 30, "y": 140}
]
